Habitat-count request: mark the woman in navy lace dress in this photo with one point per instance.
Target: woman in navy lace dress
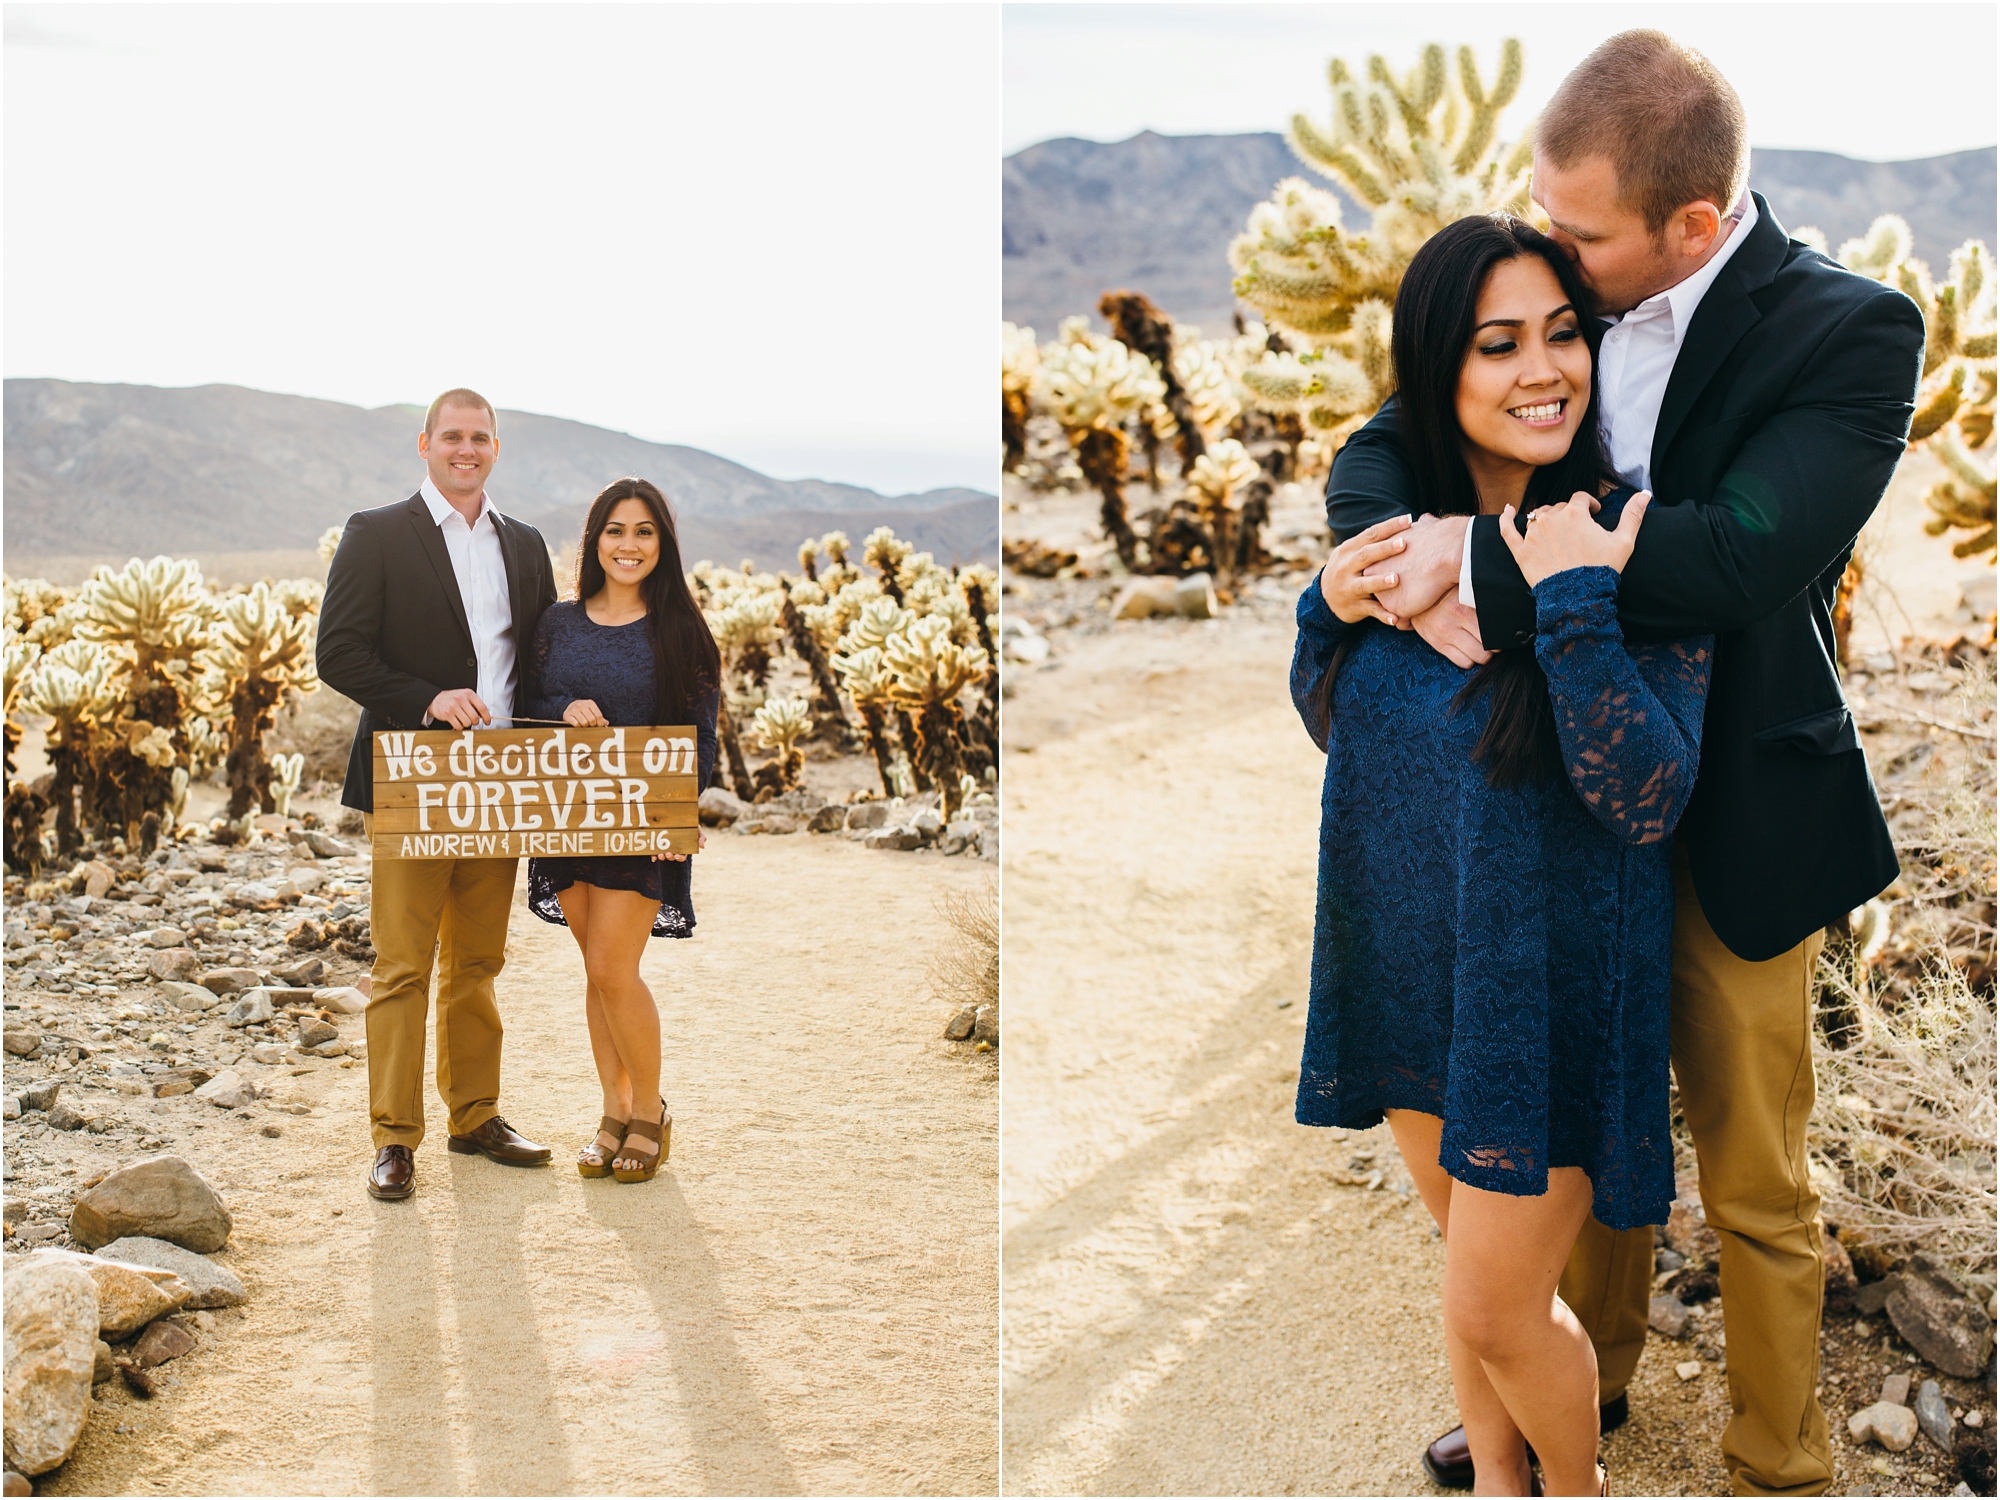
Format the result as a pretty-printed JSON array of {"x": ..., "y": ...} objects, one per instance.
[
  {"x": 1491, "y": 951},
  {"x": 631, "y": 649}
]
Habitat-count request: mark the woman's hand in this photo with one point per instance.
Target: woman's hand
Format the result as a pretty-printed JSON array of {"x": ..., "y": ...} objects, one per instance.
[
  {"x": 1565, "y": 536},
  {"x": 1349, "y": 594},
  {"x": 583, "y": 713},
  {"x": 700, "y": 843}
]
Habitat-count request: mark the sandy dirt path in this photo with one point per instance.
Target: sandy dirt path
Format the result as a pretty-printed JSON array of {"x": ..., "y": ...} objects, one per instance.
[{"x": 804, "y": 1302}]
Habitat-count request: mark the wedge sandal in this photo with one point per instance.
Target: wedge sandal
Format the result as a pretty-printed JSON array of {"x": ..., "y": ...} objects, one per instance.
[
  {"x": 595, "y": 1160},
  {"x": 660, "y": 1133}
]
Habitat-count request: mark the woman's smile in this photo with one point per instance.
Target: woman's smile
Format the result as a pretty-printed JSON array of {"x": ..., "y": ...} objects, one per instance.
[{"x": 1544, "y": 414}]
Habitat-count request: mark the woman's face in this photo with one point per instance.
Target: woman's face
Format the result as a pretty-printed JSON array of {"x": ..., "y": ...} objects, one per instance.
[
  {"x": 1526, "y": 379},
  {"x": 629, "y": 545}
]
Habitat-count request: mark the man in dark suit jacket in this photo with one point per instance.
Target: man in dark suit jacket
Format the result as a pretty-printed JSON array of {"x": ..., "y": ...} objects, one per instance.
[
  {"x": 430, "y": 605},
  {"x": 1781, "y": 392}
]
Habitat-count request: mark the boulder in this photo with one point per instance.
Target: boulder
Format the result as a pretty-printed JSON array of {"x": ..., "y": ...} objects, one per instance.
[
  {"x": 194, "y": 997},
  {"x": 894, "y": 838},
  {"x": 20, "y": 1041},
  {"x": 1934, "y": 1417},
  {"x": 226, "y": 1090},
  {"x": 1688, "y": 1231},
  {"x": 163, "y": 1341},
  {"x": 719, "y": 807},
  {"x": 161, "y": 1197},
  {"x": 959, "y": 1027},
  {"x": 313, "y": 1031},
  {"x": 1142, "y": 597},
  {"x": 219, "y": 982},
  {"x": 1194, "y": 597},
  {"x": 10, "y": 1107},
  {"x": 252, "y": 1010},
  {"x": 174, "y": 963},
  {"x": 41, "y": 1095},
  {"x": 1668, "y": 1316},
  {"x": 828, "y": 819},
  {"x": 1939, "y": 1321},
  {"x": 51, "y": 1354},
  {"x": 97, "y": 878},
  {"x": 1896, "y": 1389},
  {"x": 929, "y": 822},
  {"x": 1871, "y": 1296},
  {"x": 959, "y": 836},
  {"x": 305, "y": 974},
  {"x": 304, "y": 880},
  {"x": 326, "y": 846},
  {"x": 103, "y": 1369},
  {"x": 128, "y": 1297},
  {"x": 1894, "y": 1427},
  {"x": 163, "y": 937},
  {"x": 986, "y": 1025},
  {"x": 212, "y": 1284},
  {"x": 868, "y": 815},
  {"x": 65, "y": 1116},
  {"x": 348, "y": 999}
]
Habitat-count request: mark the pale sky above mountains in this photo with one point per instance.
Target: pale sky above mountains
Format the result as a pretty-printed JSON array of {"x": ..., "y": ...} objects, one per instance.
[
  {"x": 1878, "y": 82},
  {"x": 772, "y": 232}
]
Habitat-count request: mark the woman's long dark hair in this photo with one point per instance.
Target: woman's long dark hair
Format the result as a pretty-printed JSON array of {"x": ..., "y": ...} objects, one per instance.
[
  {"x": 1436, "y": 308},
  {"x": 686, "y": 664}
]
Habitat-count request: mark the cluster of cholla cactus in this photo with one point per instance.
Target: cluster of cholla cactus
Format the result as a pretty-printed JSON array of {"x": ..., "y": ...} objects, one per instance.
[
  {"x": 1954, "y": 417},
  {"x": 893, "y": 647},
  {"x": 136, "y": 670},
  {"x": 1096, "y": 388},
  {"x": 1420, "y": 151}
]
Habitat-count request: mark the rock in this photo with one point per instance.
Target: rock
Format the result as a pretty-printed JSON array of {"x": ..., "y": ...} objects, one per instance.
[
  {"x": 719, "y": 807},
  {"x": 1142, "y": 597},
  {"x": 20, "y": 1041},
  {"x": 226, "y": 1090},
  {"x": 1668, "y": 1316},
  {"x": 348, "y": 999},
  {"x": 128, "y": 1297},
  {"x": 313, "y": 1031},
  {"x": 10, "y": 1108},
  {"x": 1194, "y": 597},
  {"x": 305, "y": 974},
  {"x": 959, "y": 1027},
  {"x": 334, "y": 1048},
  {"x": 1694, "y": 1285},
  {"x": 1688, "y": 1369},
  {"x": 253, "y": 1009},
  {"x": 211, "y": 1284},
  {"x": 41, "y": 1095},
  {"x": 828, "y": 819},
  {"x": 304, "y": 880},
  {"x": 15, "y": 1211},
  {"x": 1939, "y": 1321},
  {"x": 51, "y": 1354},
  {"x": 191, "y": 998},
  {"x": 868, "y": 815},
  {"x": 174, "y": 963},
  {"x": 1688, "y": 1231},
  {"x": 929, "y": 822},
  {"x": 35, "y": 1233},
  {"x": 161, "y": 1197},
  {"x": 103, "y": 1370},
  {"x": 268, "y": 1053},
  {"x": 163, "y": 937},
  {"x": 1841, "y": 1283},
  {"x": 326, "y": 846},
  {"x": 1896, "y": 1389},
  {"x": 64, "y": 1116},
  {"x": 17, "y": 1484},
  {"x": 894, "y": 838},
  {"x": 163, "y": 1341},
  {"x": 219, "y": 982},
  {"x": 1973, "y": 1418},
  {"x": 1933, "y": 1416},
  {"x": 1870, "y": 1296},
  {"x": 1894, "y": 1427},
  {"x": 986, "y": 1025},
  {"x": 167, "y": 1088},
  {"x": 770, "y": 822},
  {"x": 97, "y": 878}
]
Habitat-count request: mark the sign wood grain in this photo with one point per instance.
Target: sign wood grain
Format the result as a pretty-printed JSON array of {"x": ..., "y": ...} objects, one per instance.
[{"x": 505, "y": 793}]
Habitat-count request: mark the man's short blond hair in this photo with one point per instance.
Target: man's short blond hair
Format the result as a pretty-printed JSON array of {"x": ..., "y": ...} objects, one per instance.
[
  {"x": 1663, "y": 114},
  {"x": 460, "y": 397}
]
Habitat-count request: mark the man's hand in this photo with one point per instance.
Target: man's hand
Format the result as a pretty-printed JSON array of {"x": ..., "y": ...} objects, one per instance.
[
  {"x": 461, "y": 708},
  {"x": 1427, "y": 568},
  {"x": 1452, "y": 631}
]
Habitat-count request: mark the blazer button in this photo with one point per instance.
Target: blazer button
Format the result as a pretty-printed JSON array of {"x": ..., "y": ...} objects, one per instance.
[{"x": 472, "y": 661}]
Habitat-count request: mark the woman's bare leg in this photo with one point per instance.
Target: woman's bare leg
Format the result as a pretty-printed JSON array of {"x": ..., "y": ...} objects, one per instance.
[
  {"x": 621, "y": 923},
  {"x": 612, "y": 1079}
]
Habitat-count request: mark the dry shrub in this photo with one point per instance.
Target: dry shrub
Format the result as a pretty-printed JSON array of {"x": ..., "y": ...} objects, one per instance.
[{"x": 966, "y": 968}]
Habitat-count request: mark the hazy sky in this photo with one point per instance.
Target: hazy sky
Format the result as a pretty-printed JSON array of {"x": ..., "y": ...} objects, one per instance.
[
  {"x": 767, "y": 231},
  {"x": 1878, "y": 82}
]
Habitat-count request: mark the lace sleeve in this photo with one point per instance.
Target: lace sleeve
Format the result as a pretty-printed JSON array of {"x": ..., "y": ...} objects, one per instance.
[
  {"x": 1629, "y": 720},
  {"x": 1320, "y": 634},
  {"x": 704, "y": 734},
  {"x": 537, "y": 699}
]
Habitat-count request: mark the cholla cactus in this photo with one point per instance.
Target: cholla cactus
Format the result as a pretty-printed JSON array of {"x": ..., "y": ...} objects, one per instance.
[
  {"x": 328, "y": 544},
  {"x": 75, "y": 685},
  {"x": 19, "y": 657},
  {"x": 286, "y": 772},
  {"x": 928, "y": 671},
  {"x": 1954, "y": 415},
  {"x": 884, "y": 551},
  {"x": 1141, "y": 327},
  {"x": 1093, "y": 386},
  {"x": 868, "y": 685},
  {"x": 1202, "y": 367},
  {"x": 1421, "y": 152},
  {"x": 1217, "y": 477},
  {"x": 1019, "y": 360},
  {"x": 781, "y": 723},
  {"x": 257, "y": 651}
]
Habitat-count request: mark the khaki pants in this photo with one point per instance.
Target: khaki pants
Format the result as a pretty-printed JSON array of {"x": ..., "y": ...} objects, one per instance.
[
  {"x": 1742, "y": 1053},
  {"x": 457, "y": 909}
]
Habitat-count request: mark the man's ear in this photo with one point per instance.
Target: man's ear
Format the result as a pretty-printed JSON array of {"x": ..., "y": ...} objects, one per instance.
[
  {"x": 1699, "y": 223},
  {"x": 423, "y": 445}
]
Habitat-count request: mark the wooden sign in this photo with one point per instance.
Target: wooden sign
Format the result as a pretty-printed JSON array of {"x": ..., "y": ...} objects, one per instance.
[{"x": 560, "y": 791}]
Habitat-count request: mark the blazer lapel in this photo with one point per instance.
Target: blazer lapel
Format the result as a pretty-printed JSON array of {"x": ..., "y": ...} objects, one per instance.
[
  {"x": 1723, "y": 316},
  {"x": 518, "y": 580},
  {"x": 431, "y": 540}
]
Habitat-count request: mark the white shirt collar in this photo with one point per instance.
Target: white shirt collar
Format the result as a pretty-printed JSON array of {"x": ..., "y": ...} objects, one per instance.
[
  {"x": 1682, "y": 298},
  {"x": 441, "y": 507}
]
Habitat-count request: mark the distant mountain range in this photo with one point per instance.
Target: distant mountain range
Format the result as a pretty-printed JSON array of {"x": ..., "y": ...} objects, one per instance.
[
  {"x": 133, "y": 469},
  {"x": 1157, "y": 213}
]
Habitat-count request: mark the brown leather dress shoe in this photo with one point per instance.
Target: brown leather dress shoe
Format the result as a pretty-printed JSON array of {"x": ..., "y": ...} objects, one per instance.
[
  {"x": 1449, "y": 1460},
  {"x": 395, "y": 1174},
  {"x": 497, "y": 1141}
]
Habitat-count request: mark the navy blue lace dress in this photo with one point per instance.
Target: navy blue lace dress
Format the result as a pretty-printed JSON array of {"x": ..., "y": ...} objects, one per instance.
[
  {"x": 612, "y": 665},
  {"x": 1499, "y": 957}
]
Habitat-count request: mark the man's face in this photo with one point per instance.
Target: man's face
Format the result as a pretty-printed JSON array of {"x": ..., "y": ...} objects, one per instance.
[
  {"x": 1622, "y": 261},
  {"x": 459, "y": 450}
]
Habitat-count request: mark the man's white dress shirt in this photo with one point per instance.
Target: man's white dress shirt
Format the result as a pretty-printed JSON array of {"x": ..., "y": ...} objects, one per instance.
[
  {"x": 481, "y": 569},
  {"x": 1634, "y": 363}
]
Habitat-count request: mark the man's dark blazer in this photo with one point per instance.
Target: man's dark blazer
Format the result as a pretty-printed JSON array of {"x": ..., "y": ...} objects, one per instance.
[
  {"x": 1782, "y": 422},
  {"x": 392, "y": 628}
]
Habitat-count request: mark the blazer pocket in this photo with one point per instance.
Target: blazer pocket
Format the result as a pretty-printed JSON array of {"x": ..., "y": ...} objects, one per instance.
[{"x": 1827, "y": 731}]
